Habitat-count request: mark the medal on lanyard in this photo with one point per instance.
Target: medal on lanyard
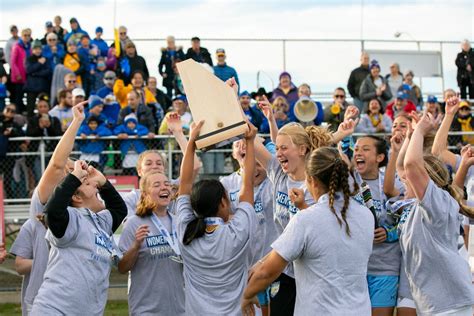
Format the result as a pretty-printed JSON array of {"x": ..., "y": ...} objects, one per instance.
[
  {"x": 115, "y": 254},
  {"x": 172, "y": 238}
]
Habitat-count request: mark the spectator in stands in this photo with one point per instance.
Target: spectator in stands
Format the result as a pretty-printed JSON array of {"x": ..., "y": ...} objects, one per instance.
[
  {"x": 178, "y": 86},
  {"x": 137, "y": 83},
  {"x": 97, "y": 76},
  {"x": 78, "y": 96},
  {"x": 394, "y": 79},
  {"x": 401, "y": 104},
  {"x": 38, "y": 76},
  {"x": 374, "y": 120},
  {"x": 448, "y": 93},
  {"x": 167, "y": 61},
  {"x": 198, "y": 53},
  {"x": 141, "y": 112},
  {"x": 123, "y": 38},
  {"x": 95, "y": 108},
  {"x": 180, "y": 107},
  {"x": 432, "y": 106},
  {"x": 108, "y": 84},
  {"x": 111, "y": 111},
  {"x": 304, "y": 90},
  {"x": 463, "y": 122},
  {"x": 3, "y": 86},
  {"x": 53, "y": 51},
  {"x": 63, "y": 111},
  {"x": 130, "y": 148},
  {"x": 161, "y": 97},
  {"x": 20, "y": 52},
  {"x": 76, "y": 32},
  {"x": 49, "y": 30},
  {"x": 75, "y": 62},
  {"x": 99, "y": 42},
  {"x": 280, "y": 110},
  {"x": 465, "y": 74},
  {"x": 221, "y": 70},
  {"x": 254, "y": 114},
  {"x": 11, "y": 42},
  {"x": 89, "y": 54},
  {"x": 131, "y": 62},
  {"x": 357, "y": 76},
  {"x": 261, "y": 94},
  {"x": 70, "y": 82},
  {"x": 59, "y": 30},
  {"x": 286, "y": 89},
  {"x": 334, "y": 113},
  {"x": 412, "y": 90},
  {"x": 91, "y": 149},
  {"x": 374, "y": 86}
]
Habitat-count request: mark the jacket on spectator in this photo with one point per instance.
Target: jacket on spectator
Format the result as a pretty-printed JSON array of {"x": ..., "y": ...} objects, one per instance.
[
  {"x": 20, "y": 52},
  {"x": 457, "y": 126},
  {"x": 356, "y": 78},
  {"x": 334, "y": 115},
  {"x": 75, "y": 34},
  {"x": 265, "y": 126},
  {"x": 93, "y": 146},
  {"x": 33, "y": 129},
  {"x": 254, "y": 115},
  {"x": 128, "y": 65},
  {"x": 391, "y": 112},
  {"x": 143, "y": 114},
  {"x": 368, "y": 91},
  {"x": 121, "y": 90},
  {"x": 101, "y": 45},
  {"x": 5, "y": 145},
  {"x": 168, "y": 57},
  {"x": 414, "y": 94},
  {"x": 111, "y": 112},
  {"x": 291, "y": 97},
  {"x": 125, "y": 144},
  {"x": 462, "y": 60},
  {"x": 54, "y": 58},
  {"x": 202, "y": 56},
  {"x": 77, "y": 64},
  {"x": 162, "y": 99},
  {"x": 366, "y": 126},
  {"x": 111, "y": 61},
  {"x": 8, "y": 48},
  {"x": 104, "y": 91},
  {"x": 38, "y": 75},
  {"x": 225, "y": 72}
]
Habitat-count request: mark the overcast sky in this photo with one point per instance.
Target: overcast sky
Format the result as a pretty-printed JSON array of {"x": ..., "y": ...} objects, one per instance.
[{"x": 323, "y": 65}]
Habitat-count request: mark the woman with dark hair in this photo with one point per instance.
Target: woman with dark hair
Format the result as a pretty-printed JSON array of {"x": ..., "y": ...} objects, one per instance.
[
  {"x": 328, "y": 282},
  {"x": 152, "y": 255},
  {"x": 374, "y": 86},
  {"x": 374, "y": 120},
  {"x": 217, "y": 250}
]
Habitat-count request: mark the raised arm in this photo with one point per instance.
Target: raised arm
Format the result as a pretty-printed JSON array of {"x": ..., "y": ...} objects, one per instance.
[
  {"x": 440, "y": 145},
  {"x": 246, "y": 191},
  {"x": 415, "y": 171},
  {"x": 467, "y": 160},
  {"x": 345, "y": 129},
  {"x": 389, "y": 180},
  {"x": 54, "y": 172},
  {"x": 266, "y": 108},
  {"x": 187, "y": 165}
]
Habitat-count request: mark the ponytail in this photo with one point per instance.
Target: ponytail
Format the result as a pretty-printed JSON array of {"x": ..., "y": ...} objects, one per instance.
[
  {"x": 319, "y": 137},
  {"x": 195, "y": 229},
  {"x": 458, "y": 195}
]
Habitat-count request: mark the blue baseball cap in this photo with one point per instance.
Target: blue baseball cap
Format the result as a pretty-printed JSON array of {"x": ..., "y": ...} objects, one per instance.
[
  {"x": 406, "y": 87},
  {"x": 94, "y": 101},
  {"x": 402, "y": 95},
  {"x": 244, "y": 93},
  {"x": 181, "y": 98},
  {"x": 432, "y": 99},
  {"x": 99, "y": 29}
]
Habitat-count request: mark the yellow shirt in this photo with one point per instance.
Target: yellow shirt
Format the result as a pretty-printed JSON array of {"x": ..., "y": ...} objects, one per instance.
[{"x": 121, "y": 91}]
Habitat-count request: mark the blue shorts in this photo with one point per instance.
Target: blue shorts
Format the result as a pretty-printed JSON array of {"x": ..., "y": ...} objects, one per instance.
[
  {"x": 264, "y": 297},
  {"x": 383, "y": 290}
]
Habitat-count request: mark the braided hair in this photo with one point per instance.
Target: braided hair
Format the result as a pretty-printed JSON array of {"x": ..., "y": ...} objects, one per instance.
[{"x": 326, "y": 166}]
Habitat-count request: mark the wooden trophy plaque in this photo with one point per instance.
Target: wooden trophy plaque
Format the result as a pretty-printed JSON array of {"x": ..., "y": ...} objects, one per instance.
[{"x": 211, "y": 100}]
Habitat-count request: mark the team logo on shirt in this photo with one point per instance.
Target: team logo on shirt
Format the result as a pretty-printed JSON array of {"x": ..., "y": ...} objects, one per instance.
[
  {"x": 283, "y": 200},
  {"x": 258, "y": 206},
  {"x": 233, "y": 196},
  {"x": 159, "y": 247},
  {"x": 102, "y": 253}
]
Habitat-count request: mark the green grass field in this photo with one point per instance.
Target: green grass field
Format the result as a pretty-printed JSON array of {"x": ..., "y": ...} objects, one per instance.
[{"x": 113, "y": 308}]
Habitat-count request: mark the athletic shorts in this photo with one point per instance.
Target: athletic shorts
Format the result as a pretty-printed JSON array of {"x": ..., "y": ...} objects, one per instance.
[{"x": 383, "y": 290}]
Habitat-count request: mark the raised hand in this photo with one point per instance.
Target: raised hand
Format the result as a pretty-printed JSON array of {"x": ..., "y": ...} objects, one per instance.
[
  {"x": 96, "y": 176},
  {"x": 452, "y": 105},
  {"x": 251, "y": 133},
  {"x": 174, "y": 123},
  {"x": 78, "y": 111},
  {"x": 426, "y": 124},
  {"x": 195, "y": 130},
  {"x": 297, "y": 198},
  {"x": 467, "y": 155},
  {"x": 140, "y": 234},
  {"x": 352, "y": 112},
  {"x": 396, "y": 141},
  {"x": 347, "y": 127},
  {"x": 80, "y": 170},
  {"x": 266, "y": 107},
  {"x": 233, "y": 84}
]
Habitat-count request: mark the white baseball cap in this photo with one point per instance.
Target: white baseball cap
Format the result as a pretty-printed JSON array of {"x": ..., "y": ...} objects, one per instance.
[{"x": 78, "y": 92}]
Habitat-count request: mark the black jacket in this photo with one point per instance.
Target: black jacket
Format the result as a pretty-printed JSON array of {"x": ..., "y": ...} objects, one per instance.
[
  {"x": 454, "y": 140},
  {"x": 462, "y": 60},
  {"x": 202, "y": 57},
  {"x": 38, "y": 75},
  {"x": 167, "y": 61},
  {"x": 355, "y": 80},
  {"x": 33, "y": 129},
  {"x": 144, "y": 116}
]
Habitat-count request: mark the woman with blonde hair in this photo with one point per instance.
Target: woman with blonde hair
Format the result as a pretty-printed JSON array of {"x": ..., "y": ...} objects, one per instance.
[
  {"x": 429, "y": 236},
  {"x": 328, "y": 282},
  {"x": 152, "y": 256}
]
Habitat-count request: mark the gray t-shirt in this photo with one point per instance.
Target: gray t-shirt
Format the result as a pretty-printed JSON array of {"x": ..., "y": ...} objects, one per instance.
[
  {"x": 266, "y": 231},
  {"x": 283, "y": 207},
  {"x": 330, "y": 266},
  {"x": 386, "y": 256},
  {"x": 216, "y": 264},
  {"x": 77, "y": 276},
  {"x": 157, "y": 283},
  {"x": 439, "y": 278},
  {"x": 469, "y": 181}
]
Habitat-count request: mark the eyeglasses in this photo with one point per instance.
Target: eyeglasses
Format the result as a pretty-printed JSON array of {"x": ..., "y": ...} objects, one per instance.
[
  {"x": 123, "y": 33},
  {"x": 71, "y": 81},
  {"x": 109, "y": 78},
  {"x": 339, "y": 96},
  {"x": 10, "y": 110}
]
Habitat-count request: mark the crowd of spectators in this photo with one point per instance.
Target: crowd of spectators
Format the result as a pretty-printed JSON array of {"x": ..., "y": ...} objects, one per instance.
[{"x": 66, "y": 66}]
